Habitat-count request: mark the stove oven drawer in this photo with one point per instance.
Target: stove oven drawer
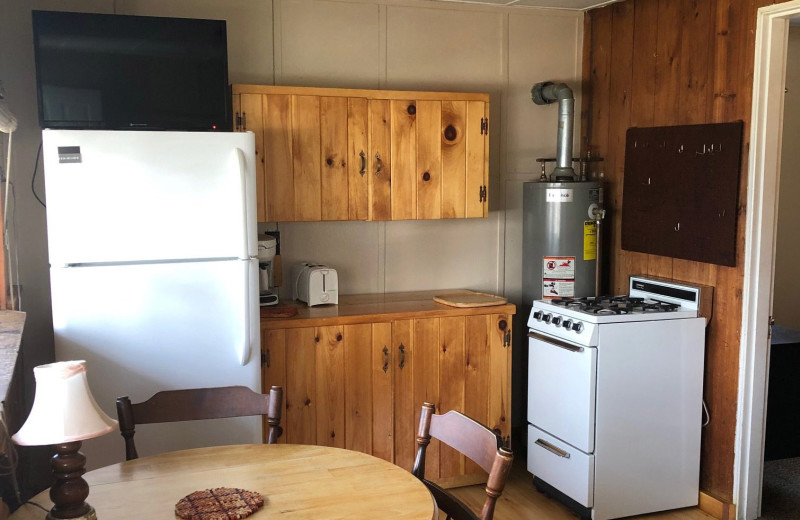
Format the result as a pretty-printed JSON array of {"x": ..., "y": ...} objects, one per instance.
[
  {"x": 561, "y": 389},
  {"x": 565, "y": 468}
]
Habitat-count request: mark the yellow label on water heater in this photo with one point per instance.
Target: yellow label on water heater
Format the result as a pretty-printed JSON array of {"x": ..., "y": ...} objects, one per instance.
[{"x": 589, "y": 240}]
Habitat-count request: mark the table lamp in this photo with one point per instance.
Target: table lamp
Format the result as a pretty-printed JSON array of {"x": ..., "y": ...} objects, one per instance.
[{"x": 64, "y": 413}]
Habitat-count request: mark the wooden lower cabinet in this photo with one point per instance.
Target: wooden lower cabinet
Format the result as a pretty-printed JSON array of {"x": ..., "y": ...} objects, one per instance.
[{"x": 361, "y": 386}]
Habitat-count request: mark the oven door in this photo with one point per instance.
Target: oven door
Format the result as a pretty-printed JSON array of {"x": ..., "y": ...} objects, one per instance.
[{"x": 561, "y": 389}]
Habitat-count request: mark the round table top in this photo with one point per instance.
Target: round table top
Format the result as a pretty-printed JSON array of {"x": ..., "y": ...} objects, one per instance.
[{"x": 296, "y": 481}]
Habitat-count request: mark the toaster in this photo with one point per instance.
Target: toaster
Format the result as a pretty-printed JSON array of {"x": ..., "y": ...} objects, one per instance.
[{"x": 315, "y": 284}]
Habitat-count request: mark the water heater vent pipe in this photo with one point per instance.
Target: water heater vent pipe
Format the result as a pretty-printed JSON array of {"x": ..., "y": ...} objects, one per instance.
[{"x": 545, "y": 93}]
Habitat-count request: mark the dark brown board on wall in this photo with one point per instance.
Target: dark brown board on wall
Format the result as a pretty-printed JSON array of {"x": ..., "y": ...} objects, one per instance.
[{"x": 680, "y": 190}]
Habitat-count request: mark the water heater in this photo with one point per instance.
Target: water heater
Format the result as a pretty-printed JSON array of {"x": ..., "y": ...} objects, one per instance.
[{"x": 560, "y": 247}]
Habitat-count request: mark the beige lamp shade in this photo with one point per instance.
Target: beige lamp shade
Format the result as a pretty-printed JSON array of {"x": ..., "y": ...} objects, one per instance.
[{"x": 63, "y": 408}]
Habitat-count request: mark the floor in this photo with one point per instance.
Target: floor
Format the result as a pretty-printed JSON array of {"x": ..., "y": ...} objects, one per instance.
[
  {"x": 780, "y": 495},
  {"x": 520, "y": 501}
]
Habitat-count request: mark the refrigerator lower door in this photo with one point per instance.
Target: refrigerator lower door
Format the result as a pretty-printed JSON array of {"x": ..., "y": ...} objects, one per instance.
[{"x": 143, "y": 328}]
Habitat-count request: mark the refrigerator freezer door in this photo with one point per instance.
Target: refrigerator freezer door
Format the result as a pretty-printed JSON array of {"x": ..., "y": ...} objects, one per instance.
[
  {"x": 128, "y": 196},
  {"x": 143, "y": 328}
]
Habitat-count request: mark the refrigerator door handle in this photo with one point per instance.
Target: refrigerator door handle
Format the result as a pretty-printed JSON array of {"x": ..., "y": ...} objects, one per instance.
[
  {"x": 245, "y": 354},
  {"x": 242, "y": 166}
]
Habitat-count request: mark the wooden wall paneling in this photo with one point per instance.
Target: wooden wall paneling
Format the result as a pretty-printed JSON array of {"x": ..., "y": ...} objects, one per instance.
[
  {"x": 330, "y": 386},
  {"x": 279, "y": 166},
  {"x": 382, "y": 398},
  {"x": 476, "y": 378},
  {"x": 333, "y": 158},
  {"x": 619, "y": 99},
  {"x": 642, "y": 105},
  {"x": 697, "y": 41},
  {"x": 406, "y": 409},
  {"x": 380, "y": 158},
  {"x": 454, "y": 159},
  {"x": 404, "y": 159},
  {"x": 358, "y": 371},
  {"x": 273, "y": 368},
  {"x": 301, "y": 420},
  {"x": 587, "y": 102},
  {"x": 499, "y": 374},
  {"x": 600, "y": 36},
  {"x": 429, "y": 159},
  {"x": 357, "y": 144},
  {"x": 477, "y": 169},
  {"x": 251, "y": 107},
  {"x": 306, "y": 158},
  {"x": 451, "y": 386},
  {"x": 426, "y": 381}
]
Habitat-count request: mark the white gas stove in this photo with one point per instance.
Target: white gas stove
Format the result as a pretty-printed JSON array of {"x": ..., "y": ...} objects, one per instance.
[{"x": 615, "y": 398}]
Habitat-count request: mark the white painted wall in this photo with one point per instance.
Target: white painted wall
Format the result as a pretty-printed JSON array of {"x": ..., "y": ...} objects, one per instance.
[
  {"x": 786, "y": 296},
  {"x": 393, "y": 44}
]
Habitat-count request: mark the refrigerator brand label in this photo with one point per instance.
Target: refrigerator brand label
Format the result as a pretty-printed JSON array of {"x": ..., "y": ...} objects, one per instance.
[
  {"x": 559, "y": 195},
  {"x": 69, "y": 154}
]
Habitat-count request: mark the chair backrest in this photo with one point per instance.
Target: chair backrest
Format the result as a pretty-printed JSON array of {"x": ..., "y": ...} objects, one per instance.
[
  {"x": 199, "y": 403},
  {"x": 474, "y": 440}
]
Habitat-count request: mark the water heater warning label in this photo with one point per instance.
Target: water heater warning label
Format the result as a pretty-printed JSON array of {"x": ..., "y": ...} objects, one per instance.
[
  {"x": 589, "y": 240},
  {"x": 558, "y": 276}
]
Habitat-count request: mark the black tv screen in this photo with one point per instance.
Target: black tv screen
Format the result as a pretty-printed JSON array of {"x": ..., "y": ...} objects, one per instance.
[{"x": 118, "y": 72}]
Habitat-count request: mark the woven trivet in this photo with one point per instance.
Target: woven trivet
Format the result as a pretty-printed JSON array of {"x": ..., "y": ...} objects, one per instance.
[{"x": 219, "y": 504}]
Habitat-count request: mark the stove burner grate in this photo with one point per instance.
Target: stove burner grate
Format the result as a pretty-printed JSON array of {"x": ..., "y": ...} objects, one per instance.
[{"x": 608, "y": 305}]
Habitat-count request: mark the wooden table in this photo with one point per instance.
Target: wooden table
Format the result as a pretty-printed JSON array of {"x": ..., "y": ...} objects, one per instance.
[{"x": 297, "y": 482}]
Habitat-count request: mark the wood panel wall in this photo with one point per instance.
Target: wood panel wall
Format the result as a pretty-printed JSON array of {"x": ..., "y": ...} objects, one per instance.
[{"x": 676, "y": 62}]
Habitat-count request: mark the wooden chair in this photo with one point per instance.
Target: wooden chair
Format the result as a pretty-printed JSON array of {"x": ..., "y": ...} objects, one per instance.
[
  {"x": 199, "y": 403},
  {"x": 474, "y": 440}
]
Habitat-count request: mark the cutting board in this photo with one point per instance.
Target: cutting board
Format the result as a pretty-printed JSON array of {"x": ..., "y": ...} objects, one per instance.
[{"x": 469, "y": 299}]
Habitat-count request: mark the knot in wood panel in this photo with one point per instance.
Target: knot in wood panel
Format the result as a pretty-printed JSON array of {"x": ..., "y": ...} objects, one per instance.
[{"x": 450, "y": 133}]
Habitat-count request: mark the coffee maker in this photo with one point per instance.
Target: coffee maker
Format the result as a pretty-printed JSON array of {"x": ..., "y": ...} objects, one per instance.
[{"x": 266, "y": 257}]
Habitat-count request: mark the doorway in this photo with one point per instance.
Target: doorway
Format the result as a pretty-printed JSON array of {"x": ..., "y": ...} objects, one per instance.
[{"x": 759, "y": 271}]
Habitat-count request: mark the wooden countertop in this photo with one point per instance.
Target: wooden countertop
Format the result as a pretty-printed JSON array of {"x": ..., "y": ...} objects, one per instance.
[{"x": 361, "y": 308}]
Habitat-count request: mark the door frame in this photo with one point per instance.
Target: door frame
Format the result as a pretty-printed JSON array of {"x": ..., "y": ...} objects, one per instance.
[{"x": 769, "y": 76}]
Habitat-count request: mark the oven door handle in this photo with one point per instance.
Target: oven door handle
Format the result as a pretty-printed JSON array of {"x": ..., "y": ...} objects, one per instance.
[
  {"x": 554, "y": 342},
  {"x": 552, "y": 449}
]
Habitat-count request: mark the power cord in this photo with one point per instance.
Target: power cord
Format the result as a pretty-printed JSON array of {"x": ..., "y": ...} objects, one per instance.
[
  {"x": 33, "y": 178},
  {"x": 708, "y": 415}
]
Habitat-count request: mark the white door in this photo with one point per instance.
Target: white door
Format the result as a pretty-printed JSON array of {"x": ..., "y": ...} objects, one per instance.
[
  {"x": 148, "y": 327},
  {"x": 561, "y": 390},
  {"x": 127, "y": 196}
]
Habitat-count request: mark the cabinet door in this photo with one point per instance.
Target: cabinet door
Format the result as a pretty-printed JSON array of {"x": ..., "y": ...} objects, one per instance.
[
  {"x": 306, "y": 158},
  {"x": 279, "y": 168},
  {"x": 406, "y": 409},
  {"x": 404, "y": 159},
  {"x": 429, "y": 159},
  {"x": 382, "y": 396},
  {"x": 300, "y": 390},
  {"x": 452, "y": 385},
  {"x": 358, "y": 161},
  {"x": 273, "y": 369},
  {"x": 454, "y": 159},
  {"x": 358, "y": 410},
  {"x": 477, "y": 178},
  {"x": 330, "y": 381},
  {"x": 333, "y": 136},
  {"x": 380, "y": 157}
]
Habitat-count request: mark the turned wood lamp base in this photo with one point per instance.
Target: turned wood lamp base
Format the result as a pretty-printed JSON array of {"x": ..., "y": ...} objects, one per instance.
[{"x": 70, "y": 490}]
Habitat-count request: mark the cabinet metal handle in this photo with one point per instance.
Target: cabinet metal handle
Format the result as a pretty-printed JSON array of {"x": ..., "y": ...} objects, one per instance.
[
  {"x": 552, "y": 449},
  {"x": 385, "y": 359},
  {"x": 363, "y": 169},
  {"x": 402, "y": 355},
  {"x": 554, "y": 342},
  {"x": 244, "y": 120},
  {"x": 378, "y": 164}
]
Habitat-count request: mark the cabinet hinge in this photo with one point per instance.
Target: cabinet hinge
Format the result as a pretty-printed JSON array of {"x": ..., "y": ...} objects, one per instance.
[
  {"x": 484, "y": 126},
  {"x": 244, "y": 121},
  {"x": 482, "y": 194},
  {"x": 507, "y": 339},
  {"x": 265, "y": 358},
  {"x": 238, "y": 121}
]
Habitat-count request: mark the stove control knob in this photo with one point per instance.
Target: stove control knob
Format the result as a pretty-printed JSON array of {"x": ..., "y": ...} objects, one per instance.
[
  {"x": 556, "y": 321},
  {"x": 538, "y": 315},
  {"x": 577, "y": 327},
  {"x": 547, "y": 317},
  {"x": 567, "y": 324}
]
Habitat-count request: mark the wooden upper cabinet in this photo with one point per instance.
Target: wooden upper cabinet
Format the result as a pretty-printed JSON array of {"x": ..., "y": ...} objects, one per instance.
[{"x": 345, "y": 154}]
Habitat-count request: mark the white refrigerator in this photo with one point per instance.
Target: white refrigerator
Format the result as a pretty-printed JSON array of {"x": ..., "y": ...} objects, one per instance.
[{"x": 154, "y": 278}]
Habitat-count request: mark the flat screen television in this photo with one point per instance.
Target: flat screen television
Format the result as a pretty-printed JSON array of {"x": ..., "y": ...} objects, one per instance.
[{"x": 120, "y": 72}]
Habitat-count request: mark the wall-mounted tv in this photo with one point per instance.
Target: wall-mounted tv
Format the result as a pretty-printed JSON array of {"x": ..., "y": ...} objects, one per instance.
[{"x": 123, "y": 72}]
